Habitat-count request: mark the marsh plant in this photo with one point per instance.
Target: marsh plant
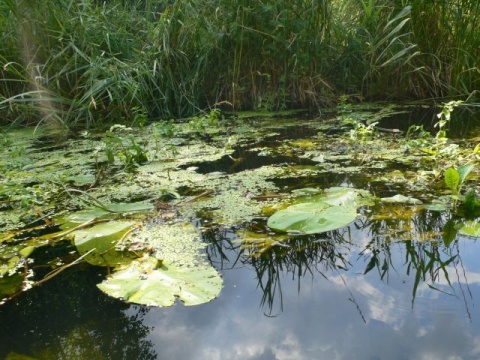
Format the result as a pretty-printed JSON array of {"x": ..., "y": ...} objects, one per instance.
[
  {"x": 444, "y": 118},
  {"x": 210, "y": 120},
  {"x": 81, "y": 63},
  {"x": 122, "y": 146}
]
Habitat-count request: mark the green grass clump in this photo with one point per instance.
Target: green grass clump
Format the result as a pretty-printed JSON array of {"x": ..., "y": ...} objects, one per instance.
[{"x": 85, "y": 63}]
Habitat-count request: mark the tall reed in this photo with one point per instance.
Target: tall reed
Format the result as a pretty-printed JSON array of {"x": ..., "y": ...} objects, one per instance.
[{"x": 83, "y": 63}]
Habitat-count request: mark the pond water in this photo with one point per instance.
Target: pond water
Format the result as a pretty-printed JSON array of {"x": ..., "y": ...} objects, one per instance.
[{"x": 391, "y": 286}]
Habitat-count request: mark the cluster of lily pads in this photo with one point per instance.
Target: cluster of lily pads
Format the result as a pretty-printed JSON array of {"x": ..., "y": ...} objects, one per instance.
[{"x": 144, "y": 224}]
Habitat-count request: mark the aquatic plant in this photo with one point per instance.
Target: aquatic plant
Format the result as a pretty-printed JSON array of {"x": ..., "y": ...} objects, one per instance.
[
  {"x": 444, "y": 118},
  {"x": 124, "y": 148},
  {"x": 330, "y": 210}
]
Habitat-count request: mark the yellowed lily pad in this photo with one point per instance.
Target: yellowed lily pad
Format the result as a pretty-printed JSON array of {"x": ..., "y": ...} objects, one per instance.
[
  {"x": 402, "y": 199},
  {"x": 145, "y": 283},
  {"x": 175, "y": 270}
]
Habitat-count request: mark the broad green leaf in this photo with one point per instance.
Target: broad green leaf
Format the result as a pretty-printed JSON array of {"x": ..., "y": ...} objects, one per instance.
[
  {"x": 181, "y": 272},
  {"x": 129, "y": 207},
  {"x": 334, "y": 209},
  {"x": 146, "y": 283},
  {"x": 437, "y": 207},
  {"x": 401, "y": 199},
  {"x": 452, "y": 179},
  {"x": 312, "y": 218},
  {"x": 82, "y": 217},
  {"x": 90, "y": 214},
  {"x": 102, "y": 238},
  {"x": 463, "y": 171},
  {"x": 10, "y": 284}
]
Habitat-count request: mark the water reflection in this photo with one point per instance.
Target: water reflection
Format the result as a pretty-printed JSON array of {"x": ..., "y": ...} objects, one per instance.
[
  {"x": 319, "y": 320},
  {"x": 362, "y": 292},
  {"x": 415, "y": 249},
  {"x": 49, "y": 323}
]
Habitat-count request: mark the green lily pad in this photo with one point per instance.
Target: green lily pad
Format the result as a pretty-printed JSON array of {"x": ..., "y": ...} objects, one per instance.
[
  {"x": 102, "y": 238},
  {"x": 145, "y": 283},
  {"x": 401, "y": 199},
  {"x": 334, "y": 209},
  {"x": 439, "y": 207},
  {"x": 9, "y": 285},
  {"x": 94, "y": 213},
  {"x": 15, "y": 260}
]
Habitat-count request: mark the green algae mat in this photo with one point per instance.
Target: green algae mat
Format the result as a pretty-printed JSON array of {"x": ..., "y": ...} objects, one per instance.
[{"x": 137, "y": 200}]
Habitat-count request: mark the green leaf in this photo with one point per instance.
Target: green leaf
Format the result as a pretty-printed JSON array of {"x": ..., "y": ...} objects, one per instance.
[
  {"x": 145, "y": 283},
  {"x": 90, "y": 214},
  {"x": 437, "y": 207},
  {"x": 312, "y": 218},
  {"x": 401, "y": 199},
  {"x": 181, "y": 273},
  {"x": 452, "y": 179},
  {"x": 334, "y": 209},
  {"x": 10, "y": 284},
  {"x": 464, "y": 170},
  {"x": 102, "y": 238}
]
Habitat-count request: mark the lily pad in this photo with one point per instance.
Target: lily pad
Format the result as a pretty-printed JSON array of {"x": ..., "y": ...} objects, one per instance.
[
  {"x": 334, "y": 209},
  {"x": 145, "y": 283},
  {"x": 176, "y": 270},
  {"x": 93, "y": 213},
  {"x": 102, "y": 238},
  {"x": 401, "y": 199}
]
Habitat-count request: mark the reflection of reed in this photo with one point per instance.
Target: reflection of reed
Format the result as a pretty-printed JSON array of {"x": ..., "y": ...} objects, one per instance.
[
  {"x": 296, "y": 255},
  {"x": 430, "y": 256}
]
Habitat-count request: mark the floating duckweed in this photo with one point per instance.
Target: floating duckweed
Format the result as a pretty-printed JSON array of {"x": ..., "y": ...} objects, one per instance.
[{"x": 177, "y": 243}]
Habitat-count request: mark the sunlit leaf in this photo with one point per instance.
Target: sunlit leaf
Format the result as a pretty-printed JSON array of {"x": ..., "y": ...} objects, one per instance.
[
  {"x": 452, "y": 179},
  {"x": 438, "y": 206},
  {"x": 334, "y": 209},
  {"x": 108, "y": 211},
  {"x": 401, "y": 199},
  {"x": 463, "y": 171},
  {"x": 9, "y": 285},
  {"x": 102, "y": 238},
  {"x": 146, "y": 283}
]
